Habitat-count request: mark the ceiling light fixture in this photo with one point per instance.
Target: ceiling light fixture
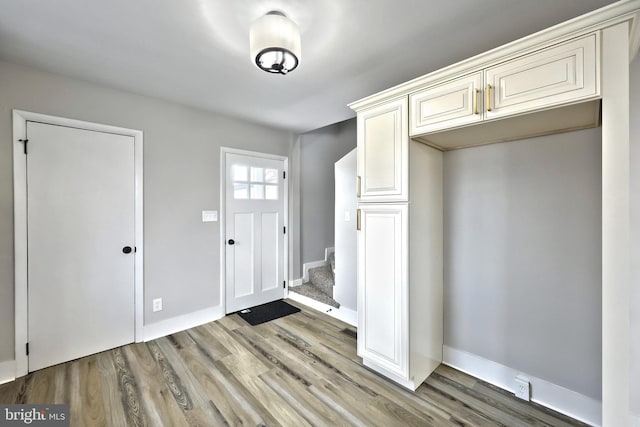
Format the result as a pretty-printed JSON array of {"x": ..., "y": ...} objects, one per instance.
[{"x": 274, "y": 42}]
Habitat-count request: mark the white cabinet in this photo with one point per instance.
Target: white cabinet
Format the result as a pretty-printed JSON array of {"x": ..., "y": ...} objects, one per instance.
[
  {"x": 557, "y": 75},
  {"x": 382, "y": 286},
  {"x": 455, "y": 103},
  {"x": 383, "y": 141},
  {"x": 400, "y": 267}
]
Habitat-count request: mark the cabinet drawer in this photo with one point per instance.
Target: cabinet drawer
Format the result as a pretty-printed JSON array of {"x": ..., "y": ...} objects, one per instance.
[
  {"x": 557, "y": 75},
  {"x": 451, "y": 104}
]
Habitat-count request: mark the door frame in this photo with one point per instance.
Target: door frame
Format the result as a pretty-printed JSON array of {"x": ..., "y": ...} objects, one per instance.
[
  {"x": 20, "y": 119},
  {"x": 223, "y": 213}
]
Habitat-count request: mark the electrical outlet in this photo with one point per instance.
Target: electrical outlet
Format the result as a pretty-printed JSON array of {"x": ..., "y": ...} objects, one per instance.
[
  {"x": 157, "y": 304},
  {"x": 523, "y": 388}
]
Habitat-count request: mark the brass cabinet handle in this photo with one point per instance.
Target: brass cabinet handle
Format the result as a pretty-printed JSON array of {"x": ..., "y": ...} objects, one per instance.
[
  {"x": 488, "y": 97},
  {"x": 358, "y": 220},
  {"x": 475, "y": 101},
  {"x": 358, "y": 188}
]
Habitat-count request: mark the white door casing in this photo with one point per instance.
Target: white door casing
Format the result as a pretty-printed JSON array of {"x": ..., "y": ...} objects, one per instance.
[
  {"x": 80, "y": 203},
  {"x": 135, "y": 138},
  {"x": 253, "y": 230}
]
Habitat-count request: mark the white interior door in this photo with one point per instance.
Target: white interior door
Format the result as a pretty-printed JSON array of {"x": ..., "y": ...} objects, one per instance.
[
  {"x": 80, "y": 219},
  {"x": 254, "y": 232}
]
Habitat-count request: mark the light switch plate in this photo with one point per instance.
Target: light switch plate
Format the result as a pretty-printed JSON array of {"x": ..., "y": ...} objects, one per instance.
[{"x": 209, "y": 216}]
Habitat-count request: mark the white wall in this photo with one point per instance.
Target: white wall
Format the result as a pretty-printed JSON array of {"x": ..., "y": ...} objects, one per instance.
[
  {"x": 635, "y": 233},
  {"x": 319, "y": 150},
  {"x": 181, "y": 178},
  {"x": 346, "y": 235},
  {"x": 523, "y": 256}
]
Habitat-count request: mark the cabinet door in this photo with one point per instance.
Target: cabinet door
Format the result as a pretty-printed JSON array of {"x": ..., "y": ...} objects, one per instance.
[
  {"x": 455, "y": 103},
  {"x": 383, "y": 145},
  {"x": 557, "y": 75},
  {"x": 382, "y": 286}
]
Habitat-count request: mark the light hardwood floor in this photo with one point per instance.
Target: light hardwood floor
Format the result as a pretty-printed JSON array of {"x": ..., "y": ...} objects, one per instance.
[{"x": 299, "y": 370}]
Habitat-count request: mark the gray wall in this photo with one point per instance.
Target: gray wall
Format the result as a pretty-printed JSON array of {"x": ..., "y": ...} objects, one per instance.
[
  {"x": 181, "y": 178},
  {"x": 319, "y": 150},
  {"x": 635, "y": 234},
  {"x": 523, "y": 256}
]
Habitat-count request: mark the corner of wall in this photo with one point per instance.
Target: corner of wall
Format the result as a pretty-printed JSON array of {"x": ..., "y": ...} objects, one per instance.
[
  {"x": 7, "y": 371},
  {"x": 181, "y": 323},
  {"x": 551, "y": 395}
]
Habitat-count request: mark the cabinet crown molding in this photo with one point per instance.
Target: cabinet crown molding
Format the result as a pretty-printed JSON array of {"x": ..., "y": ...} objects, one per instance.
[{"x": 625, "y": 10}]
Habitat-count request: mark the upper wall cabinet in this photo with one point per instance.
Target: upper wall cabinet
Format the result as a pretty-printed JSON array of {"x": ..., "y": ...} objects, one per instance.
[
  {"x": 559, "y": 75},
  {"x": 383, "y": 145},
  {"x": 455, "y": 103}
]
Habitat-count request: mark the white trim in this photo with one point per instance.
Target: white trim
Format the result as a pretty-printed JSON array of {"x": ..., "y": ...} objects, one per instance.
[
  {"x": 314, "y": 264},
  {"x": 345, "y": 314},
  {"x": 20, "y": 119},
  {"x": 7, "y": 371},
  {"x": 615, "y": 13},
  {"x": 308, "y": 266},
  {"x": 551, "y": 395},
  {"x": 223, "y": 217},
  {"x": 327, "y": 252},
  {"x": 294, "y": 283},
  {"x": 182, "y": 323}
]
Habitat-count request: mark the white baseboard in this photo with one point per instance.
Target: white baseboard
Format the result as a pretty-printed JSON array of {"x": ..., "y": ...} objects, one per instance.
[
  {"x": 7, "y": 371},
  {"x": 345, "y": 314},
  {"x": 181, "y": 323},
  {"x": 294, "y": 283},
  {"x": 313, "y": 264},
  {"x": 327, "y": 252},
  {"x": 551, "y": 395},
  {"x": 308, "y": 266}
]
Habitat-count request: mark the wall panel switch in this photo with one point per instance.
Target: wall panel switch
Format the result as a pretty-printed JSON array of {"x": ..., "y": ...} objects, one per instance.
[
  {"x": 209, "y": 216},
  {"x": 157, "y": 304}
]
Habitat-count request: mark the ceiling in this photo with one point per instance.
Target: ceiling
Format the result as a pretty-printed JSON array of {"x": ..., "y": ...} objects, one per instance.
[{"x": 195, "y": 52}]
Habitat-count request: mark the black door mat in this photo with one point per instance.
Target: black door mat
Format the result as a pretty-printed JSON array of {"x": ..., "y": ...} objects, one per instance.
[{"x": 266, "y": 312}]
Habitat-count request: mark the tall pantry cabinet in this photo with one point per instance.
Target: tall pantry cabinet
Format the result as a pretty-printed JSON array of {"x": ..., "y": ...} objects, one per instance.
[{"x": 400, "y": 247}]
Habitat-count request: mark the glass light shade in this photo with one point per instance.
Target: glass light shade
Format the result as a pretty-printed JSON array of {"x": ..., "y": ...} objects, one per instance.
[{"x": 274, "y": 42}]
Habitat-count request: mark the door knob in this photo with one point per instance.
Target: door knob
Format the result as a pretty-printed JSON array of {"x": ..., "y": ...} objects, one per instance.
[
  {"x": 126, "y": 249},
  {"x": 232, "y": 242}
]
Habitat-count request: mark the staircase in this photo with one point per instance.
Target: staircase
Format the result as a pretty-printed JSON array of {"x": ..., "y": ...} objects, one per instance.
[{"x": 320, "y": 284}]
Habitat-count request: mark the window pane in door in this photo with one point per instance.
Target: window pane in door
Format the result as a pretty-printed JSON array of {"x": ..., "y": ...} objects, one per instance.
[
  {"x": 240, "y": 173},
  {"x": 240, "y": 191},
  {"x": 271, "y": 192},
  {"x": 257, "y": 175},
  {"x": 257, "y": 191},
  {"x": 271, "y": 176}
]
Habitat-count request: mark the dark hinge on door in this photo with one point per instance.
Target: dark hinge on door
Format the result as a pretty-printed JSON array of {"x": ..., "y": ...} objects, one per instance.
[
  {"x": 284, "y": 230},
  {"x": 24, "y": 141},
  {"x": 284, "y": 284},
  {"x": 27, "y": 349},
  {"x": 284, "y": 175}
]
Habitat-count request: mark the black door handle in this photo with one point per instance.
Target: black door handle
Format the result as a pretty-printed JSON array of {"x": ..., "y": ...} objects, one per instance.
[
  {"x": 126, "y": 249},
  {"x": 232, "y": 242}
]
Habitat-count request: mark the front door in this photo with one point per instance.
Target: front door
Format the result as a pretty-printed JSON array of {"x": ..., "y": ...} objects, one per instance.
[
  {"x": 255, "y": 206},
  {"x": 80, "y": 194}
]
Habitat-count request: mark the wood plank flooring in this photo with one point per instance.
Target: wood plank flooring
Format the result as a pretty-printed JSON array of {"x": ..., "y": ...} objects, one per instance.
[{"x": 300, "y": 370}]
